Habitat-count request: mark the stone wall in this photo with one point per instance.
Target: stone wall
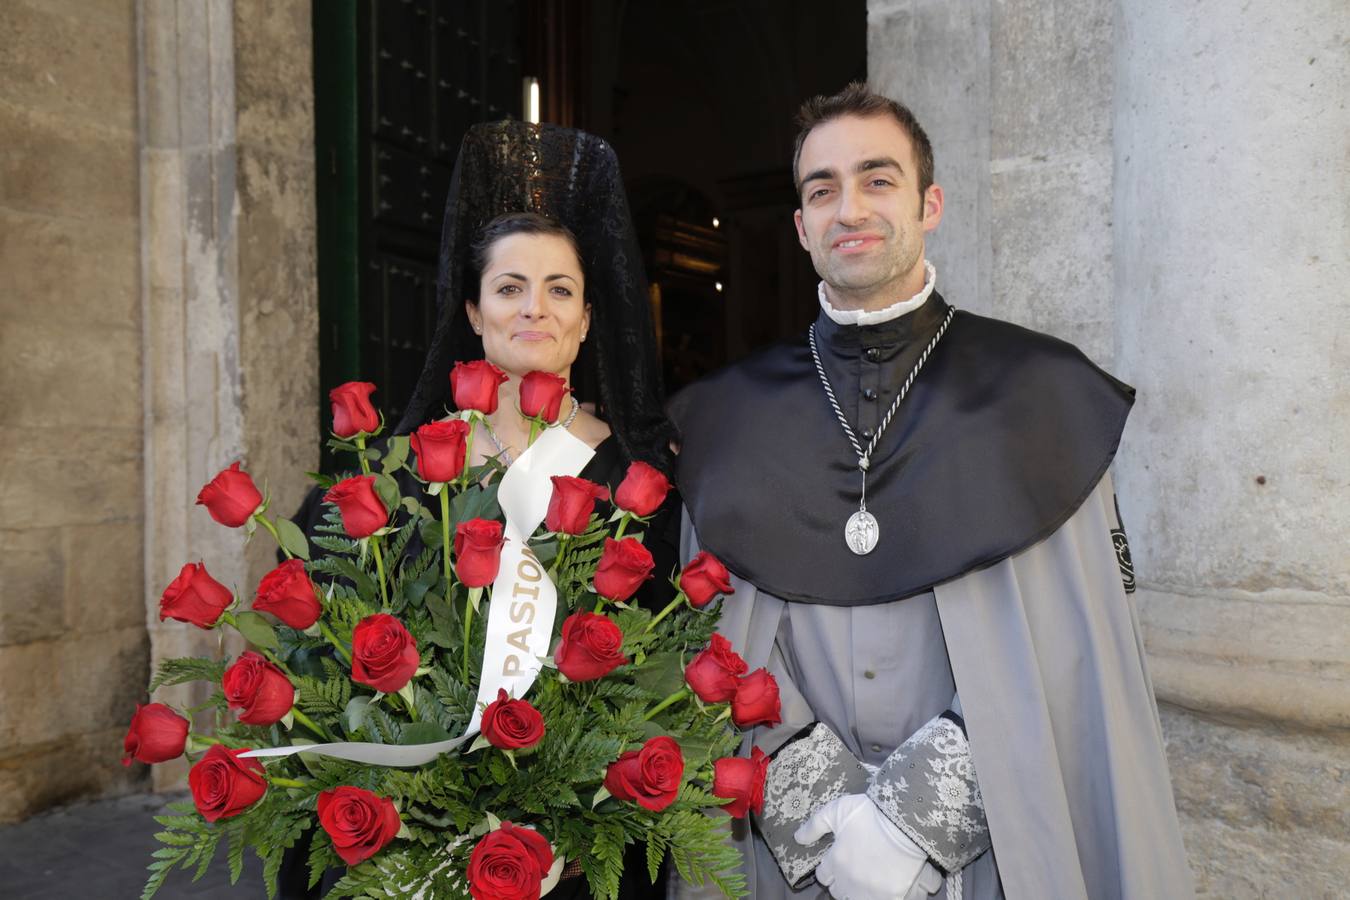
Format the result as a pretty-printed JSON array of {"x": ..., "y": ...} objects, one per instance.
[
  {"x": 1166, "y": 187},
  {"x": 73, "y": 644}
]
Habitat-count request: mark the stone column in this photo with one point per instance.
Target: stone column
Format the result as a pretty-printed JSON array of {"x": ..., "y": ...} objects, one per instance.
[
  {"x": 1231, "y": 275},
  {"x": 193, "y": 422}
]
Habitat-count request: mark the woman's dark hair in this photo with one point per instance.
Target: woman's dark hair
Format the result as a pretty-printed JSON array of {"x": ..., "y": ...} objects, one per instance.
[{"x": 506, "y": 225}]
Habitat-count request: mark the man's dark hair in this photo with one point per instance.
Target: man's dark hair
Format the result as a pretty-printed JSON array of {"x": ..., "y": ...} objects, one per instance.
[
  {"x": 508, "y": 224},
  {"x": 859, "y": 100}
]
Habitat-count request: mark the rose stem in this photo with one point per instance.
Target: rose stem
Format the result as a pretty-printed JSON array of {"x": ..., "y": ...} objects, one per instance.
[
  {"x": 286, "y": 782},
  {"x": 310, "y": 724},
  {"x": 679, "y": 598},
  {"x": 332, "y": 639},
  {"x": 682, "y": 692},
  {"x": 273, "y": 529},
  {"x": 445, "y": 535},
  {"x": 379, "y": 568},
  {"x": 623, "y": 525}
]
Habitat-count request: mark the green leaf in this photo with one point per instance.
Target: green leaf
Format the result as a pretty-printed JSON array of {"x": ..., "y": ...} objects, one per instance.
[
  {"x": 387, "y": 488},
  {"x": 423, "y": 733},
  {"x": 256, "y": 630},
  {"x": 662, "y": 674},
  {"x": 354, "y": 716},
  {"x": 396, "y": 454},
  {"x": 292, "y": 538}
]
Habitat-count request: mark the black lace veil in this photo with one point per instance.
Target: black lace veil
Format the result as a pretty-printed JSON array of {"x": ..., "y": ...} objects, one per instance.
[{"x": 571, "y": 177}]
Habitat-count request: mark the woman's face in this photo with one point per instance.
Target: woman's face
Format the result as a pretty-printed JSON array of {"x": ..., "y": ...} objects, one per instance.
[{"x": 531, "y": 310}]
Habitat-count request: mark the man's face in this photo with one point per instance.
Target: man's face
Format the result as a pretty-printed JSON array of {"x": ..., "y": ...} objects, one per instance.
[{"x": 862, "y": 218}]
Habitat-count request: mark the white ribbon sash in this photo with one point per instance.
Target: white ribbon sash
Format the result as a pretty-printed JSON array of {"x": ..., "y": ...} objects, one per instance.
[{"x": 520, "y": 618}]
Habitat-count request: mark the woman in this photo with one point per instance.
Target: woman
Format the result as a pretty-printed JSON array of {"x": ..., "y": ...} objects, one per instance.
[{"x": 540, "y": 271}]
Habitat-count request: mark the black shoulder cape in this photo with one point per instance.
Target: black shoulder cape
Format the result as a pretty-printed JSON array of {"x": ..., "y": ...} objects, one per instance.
[{"x": 1003, "y": 435}]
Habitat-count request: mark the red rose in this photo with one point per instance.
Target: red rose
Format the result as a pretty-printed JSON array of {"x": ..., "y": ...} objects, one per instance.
[
  {"x": 474, "y": 385},
  {"x": 384, "y": 654},
  {"x": 591, "y": 647},
  {"x": 509, "y": 864},
  {"x": 287, "y": 593},
  {"x": 478, "y": 551},
  {"x": 511, "y": 724},
  {"x": 223, "y": 784},
  {"x": 572, "y": 502},
  {"x": 741, "y": 781},
  {"x": 359, "y": 822},
  {"x": 714, "y": 673},
  {"x": 704, "y": 578},
  {"x": 623, "y": 567},
  {"x": 352, "y": 412},
  {"x": 260, "y": 689},
  {"x": 231, "y": 497},
  {"x": 157, "y": 734},
  {"x": 194, "y": 597},
  {"x": 440, "y": 448},
  {"x": 756, "y": 700},
  {"x": 363, "y": 512},
  {"x": 541, "y": 395},
  {"x": 642, "y": 490},
  {"x": 651, "y": 776}
]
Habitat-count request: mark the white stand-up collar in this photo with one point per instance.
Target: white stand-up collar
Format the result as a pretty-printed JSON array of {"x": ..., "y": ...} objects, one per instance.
[{"x": 877, "y": 316}]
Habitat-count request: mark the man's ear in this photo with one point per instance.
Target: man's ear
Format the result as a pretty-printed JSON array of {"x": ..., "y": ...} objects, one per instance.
[
  {"x": 932, "y": 207},
  {"x": 801, "y": 232}
]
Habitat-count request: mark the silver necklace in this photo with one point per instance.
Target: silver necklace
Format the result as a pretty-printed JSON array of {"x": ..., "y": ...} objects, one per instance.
[
  {"x": 506, "y": 454},
  {"x": 862, "y": 532}
]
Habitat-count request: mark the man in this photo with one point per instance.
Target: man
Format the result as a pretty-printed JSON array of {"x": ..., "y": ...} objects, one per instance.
[{"x": 915, "y": 502}]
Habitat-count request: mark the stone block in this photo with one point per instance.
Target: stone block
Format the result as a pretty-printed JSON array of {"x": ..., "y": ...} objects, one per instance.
[
  {"x": 67, "y": 167},
  {"x": 1051, "y": 222},
  {"x": 71, "y": 59},
  {"x": 31, "y": 580},
  {"x": 75, "y": 685},
  {"x": 64, "y": 475},
  {"x": 274, "y": 78},
  {"x": 62, "y": 376},
  {"x": 104, "y": 578},
  {"x": 1052, "y": 91},
  {"x": 83, "y": 272},
  {"x": 1264, "y": 812},
  {"x": 41, "y": 776}
]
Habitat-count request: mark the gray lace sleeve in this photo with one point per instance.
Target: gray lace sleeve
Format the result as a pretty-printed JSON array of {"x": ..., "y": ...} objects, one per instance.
[
  {"x": 806, "y": 773},
  {"x": 927, "y": 787}
]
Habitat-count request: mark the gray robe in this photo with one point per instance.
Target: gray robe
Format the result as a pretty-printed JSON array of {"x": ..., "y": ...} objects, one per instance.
[{"x": 1045, "y": 651}]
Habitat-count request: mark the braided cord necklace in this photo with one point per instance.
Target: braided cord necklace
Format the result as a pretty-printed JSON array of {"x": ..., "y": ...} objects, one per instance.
[{"x": 862, "y": 532}]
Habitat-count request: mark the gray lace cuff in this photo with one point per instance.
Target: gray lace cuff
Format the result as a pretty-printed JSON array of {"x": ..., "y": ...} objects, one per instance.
[
  {"x": 806, "y": 773},
  {"x": 927, "y": 787}
]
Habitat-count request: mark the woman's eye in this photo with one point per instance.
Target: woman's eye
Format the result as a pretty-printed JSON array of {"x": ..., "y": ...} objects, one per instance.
[
  {"x": 508, "y": 289},
  {"x": 562, "y": 291}
]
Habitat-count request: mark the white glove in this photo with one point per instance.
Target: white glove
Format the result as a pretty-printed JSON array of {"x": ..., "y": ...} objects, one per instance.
[{"x": 870, "y": 858}]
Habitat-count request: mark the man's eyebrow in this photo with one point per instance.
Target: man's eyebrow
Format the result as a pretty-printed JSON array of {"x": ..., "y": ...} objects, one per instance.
[
  {"x": 881, "y": 162},
  {"x": 819, "y": 175}
]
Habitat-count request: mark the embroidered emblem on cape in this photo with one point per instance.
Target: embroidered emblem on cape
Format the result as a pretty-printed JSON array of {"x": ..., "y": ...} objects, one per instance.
[{"x": 1122, "y": 545}]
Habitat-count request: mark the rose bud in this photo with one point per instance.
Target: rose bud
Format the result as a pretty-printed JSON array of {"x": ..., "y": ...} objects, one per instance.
[
  {"x": 741, "y": 781},
  {"x": 194, "y": 597},
  {"x": 572, "y": 502},
  {"x": 756, "y": 701},
  {"x": 478, "y": 551},
  {"x": 541, "y": 395},
  {"x": 223, "y": 784},
  {"x": 359, "y": 822},
  {"x": 363, "y": 512},
  {"x": 715, "y": 672},
  {"x": 384, "y": 654},
  {"x": 287, "y": 593},
  {"x": 511, "y": 724},
  {"x": 509, "y": 864},
  {"x": 642, "y": 490},
  {"x": 157, "y": 734},
  {"x": 704, "y": 578},
  {"x": 623, "y": 567},
  {"x": 590, "y": 648},
  {"x": 650, "y": 776},
  {"x": 352, "y": 412},
  {"x": 474, "y": 385},
  {"x": 440, "y": 449},
  {"x": 231, "y": 497},
  {"x": 260, "y": 689}
]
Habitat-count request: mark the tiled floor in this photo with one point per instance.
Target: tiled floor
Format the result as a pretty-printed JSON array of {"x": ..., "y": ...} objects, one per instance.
[{"x": 100, "y": 850}]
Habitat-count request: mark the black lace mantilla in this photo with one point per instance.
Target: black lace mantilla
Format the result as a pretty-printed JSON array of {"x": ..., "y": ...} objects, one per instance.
[{"x": 572, "y": 177}]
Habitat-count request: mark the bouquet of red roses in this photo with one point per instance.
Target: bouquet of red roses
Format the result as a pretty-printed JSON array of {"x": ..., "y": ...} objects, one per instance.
[{"x": 459, "y": 702}]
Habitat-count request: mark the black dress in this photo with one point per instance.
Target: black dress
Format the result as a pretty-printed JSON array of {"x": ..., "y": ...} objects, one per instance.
[{"x": 662, "y": 539}]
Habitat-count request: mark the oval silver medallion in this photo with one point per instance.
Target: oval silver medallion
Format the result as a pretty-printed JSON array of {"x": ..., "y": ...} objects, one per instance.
[{"x": 861, "y": 532}]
